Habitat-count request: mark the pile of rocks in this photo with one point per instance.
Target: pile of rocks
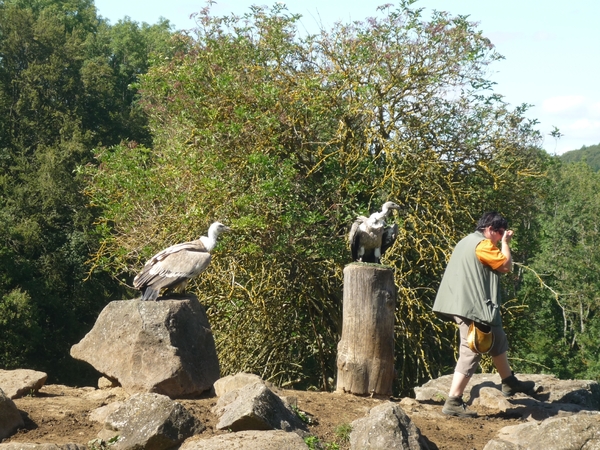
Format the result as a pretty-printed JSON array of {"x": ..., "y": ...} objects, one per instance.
[
  {"x": 15, "y": 384},
  {"x": 563, "y": 415}
]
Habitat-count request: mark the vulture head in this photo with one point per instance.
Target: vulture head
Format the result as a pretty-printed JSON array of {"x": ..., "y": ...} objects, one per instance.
[
  {"x": 174, "y": 266},
  {"x": 370, "y": 237},
  {"x": 386, "y": 209}
]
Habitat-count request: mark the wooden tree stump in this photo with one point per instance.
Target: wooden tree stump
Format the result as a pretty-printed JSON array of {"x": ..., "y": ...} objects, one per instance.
[{"x": 365, "y": 358}]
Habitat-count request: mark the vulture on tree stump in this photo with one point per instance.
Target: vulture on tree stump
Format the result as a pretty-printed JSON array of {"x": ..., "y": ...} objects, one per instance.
[
  {"x": 369, "y": 237},
  {"x": 174, "y": 266}
]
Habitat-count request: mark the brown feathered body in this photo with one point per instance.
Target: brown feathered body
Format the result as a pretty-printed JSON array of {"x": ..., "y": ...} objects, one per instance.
[{"x": 174, "y": 266}]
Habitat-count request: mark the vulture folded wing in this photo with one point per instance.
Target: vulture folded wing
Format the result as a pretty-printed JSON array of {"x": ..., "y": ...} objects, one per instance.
[
  {"x": 173, "y": 265},
  {"x": 389, "y": 237},
  {"x": 193, "y": 245},
  {"x": 354, "y": 236},
  {"x": 187, "y": 262}
]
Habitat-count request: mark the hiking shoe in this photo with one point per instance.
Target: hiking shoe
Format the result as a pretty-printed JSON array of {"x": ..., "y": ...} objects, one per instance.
[
  {"x": 455, "y": 406},
  {"x": 510, "y": 386}
]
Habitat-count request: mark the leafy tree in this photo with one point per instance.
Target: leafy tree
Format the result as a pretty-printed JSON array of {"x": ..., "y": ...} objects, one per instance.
[
  {"x": 288, "y": 138},
  {"x": 61, "y": 94},
  {"x": 115, "y": 57},
  {"x": 559, "y": 330},
  {"x": 589, "y": 154}
]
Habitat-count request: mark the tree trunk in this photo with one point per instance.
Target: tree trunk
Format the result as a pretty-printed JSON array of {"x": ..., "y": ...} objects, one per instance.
[{"x": 365, "y": 359}]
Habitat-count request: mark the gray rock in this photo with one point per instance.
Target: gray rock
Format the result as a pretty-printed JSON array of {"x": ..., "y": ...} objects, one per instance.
[
  {"x": 248, "y": 440},
  {"x": 386, "y": 427},
  {"x": 105, "y": 383},
  {"x": 527, "y": 407},
  {"x": 549, "y": 388},
  {"x": 255, "y": 407},
  {"x": 10, "y": 417},
  {"x": 104, "y": 396},
  {"x": 149, "y": 422},
  {"x": 232, "y": 382},
  {"x": 437, "y": 389},
  {"x": 165, "y": 347},
  {"x": 579, "y": 392},
  {"x": 101, "y": 414},
  {"x": 553, "y": 398},
  {"x": 562, "y": 414},
  {"x": 492, "y": 398},
  {"x": 574, "y": 432},
  {"x": 20, "y": 382}
]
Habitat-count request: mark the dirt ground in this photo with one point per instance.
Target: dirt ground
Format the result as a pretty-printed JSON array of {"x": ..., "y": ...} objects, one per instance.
[{"x": 59, "y": 414}]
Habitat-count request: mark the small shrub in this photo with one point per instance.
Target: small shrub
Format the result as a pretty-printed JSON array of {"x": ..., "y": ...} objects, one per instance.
[
  {"x": 304, "y": 417},
  {"x": 313, "y": 443},
  {"x": 342, "y": 432}
]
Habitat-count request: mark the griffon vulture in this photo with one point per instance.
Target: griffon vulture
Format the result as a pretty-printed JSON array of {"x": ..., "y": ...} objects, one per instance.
[
  {"x": 174, "y": 266},
  {"x": 369, "y": 237}
]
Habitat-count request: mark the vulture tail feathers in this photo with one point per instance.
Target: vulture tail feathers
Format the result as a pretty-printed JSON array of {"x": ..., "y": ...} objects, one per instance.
[
  {"x": 150, "y": 293},
  {"x": 369, "y": 257}
]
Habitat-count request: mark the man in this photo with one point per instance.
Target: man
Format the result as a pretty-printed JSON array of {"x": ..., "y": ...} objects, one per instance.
[{"x": 470, "y": 291}]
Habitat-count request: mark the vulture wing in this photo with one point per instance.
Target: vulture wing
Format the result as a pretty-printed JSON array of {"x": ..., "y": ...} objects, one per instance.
[
  {"x": 354, "y": 236},
  {"x": 389, "y": 237},
  {"x": 171, "y": 267}
]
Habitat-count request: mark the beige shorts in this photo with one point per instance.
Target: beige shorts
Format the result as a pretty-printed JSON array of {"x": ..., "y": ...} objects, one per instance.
[{"x": 468, "y": 360}]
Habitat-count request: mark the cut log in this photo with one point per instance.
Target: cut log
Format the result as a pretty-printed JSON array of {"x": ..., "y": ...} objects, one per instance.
[{"x": 365, "y": 358}]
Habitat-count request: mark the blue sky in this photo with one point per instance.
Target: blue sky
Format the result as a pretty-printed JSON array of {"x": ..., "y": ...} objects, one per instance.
[{"x": 552, "y": 50}]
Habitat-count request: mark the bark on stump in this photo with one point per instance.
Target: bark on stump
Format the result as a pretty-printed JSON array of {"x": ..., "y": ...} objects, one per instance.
[{"x": 365, "y": 359}]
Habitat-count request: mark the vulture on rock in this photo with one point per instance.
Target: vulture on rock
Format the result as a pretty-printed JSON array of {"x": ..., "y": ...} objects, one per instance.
[
  {"x": 370, "y": 237},
  {"x": 174, "y": 266}
]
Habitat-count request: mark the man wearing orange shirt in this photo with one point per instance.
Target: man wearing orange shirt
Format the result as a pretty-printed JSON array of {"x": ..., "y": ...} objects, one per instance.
[{"x": 470, "y": 292}]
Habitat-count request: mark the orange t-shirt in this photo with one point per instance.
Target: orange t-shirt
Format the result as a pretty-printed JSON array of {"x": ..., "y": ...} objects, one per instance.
[{"x": 489, "y": 254}]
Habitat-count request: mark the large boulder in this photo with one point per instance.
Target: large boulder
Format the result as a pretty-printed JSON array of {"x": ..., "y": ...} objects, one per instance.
[
  {"x": 149, "y": 421},
  {"x": 248, "y": 440},
  {"x": 574, "y": 432},
  {"x": 386, "y": 427},
  {"x": 19, "y": 382},
  {"x": 10, "y": 418},
  {"x": 165, "y": 347}
]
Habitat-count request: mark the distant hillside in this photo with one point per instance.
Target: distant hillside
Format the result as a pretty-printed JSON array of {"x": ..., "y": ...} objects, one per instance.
[{"x": 590, "y": 154}]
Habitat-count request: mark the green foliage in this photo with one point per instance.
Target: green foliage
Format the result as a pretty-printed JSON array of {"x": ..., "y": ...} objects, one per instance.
[
  {"x": 304, "y": 417},
  {"x": 588, "y": 154},
  {"x": 558, "y": 332},
  {"x": 287, "y": 139},
  {"x": 18, "y": 318},
  {"x": 61, "y": 93},
  {"x": 115, "y": 57},
  {"x": 312, "y": 442},
  {"x": 342, "y": 432},
  {"x": 100, "y": 444}
]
